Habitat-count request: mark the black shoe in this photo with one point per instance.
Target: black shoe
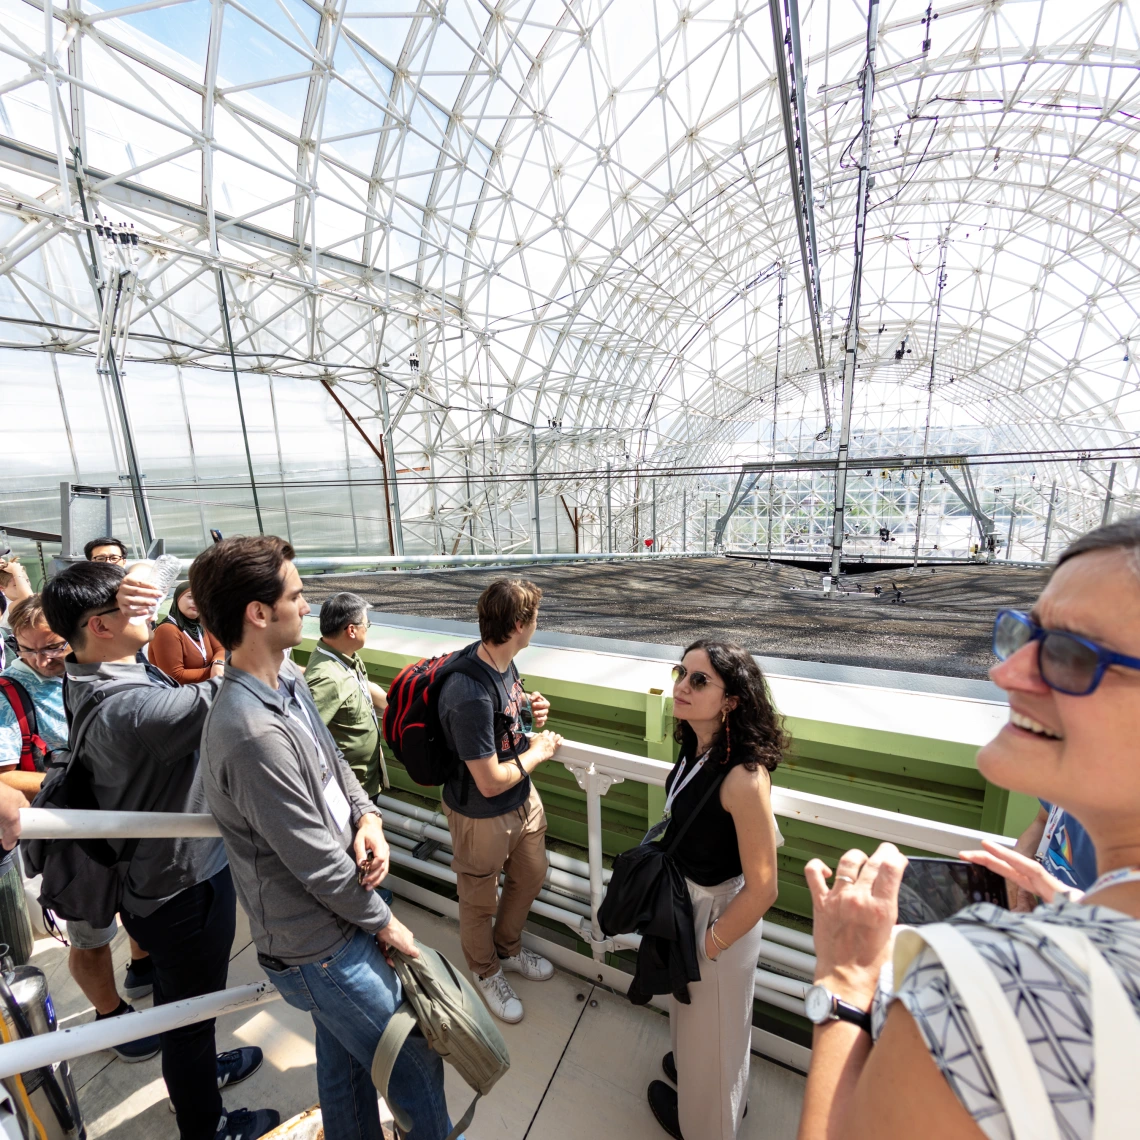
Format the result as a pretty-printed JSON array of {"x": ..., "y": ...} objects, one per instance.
[
  {"x": 247, "y": 1123},
  {"x": 238, "y": 1064},
  {"x": 663, "y": 1103},
  {"x": 669, "y": 1067},
  {"x": 131, "y": 1051},
  {"x": 139, "y": 982}
]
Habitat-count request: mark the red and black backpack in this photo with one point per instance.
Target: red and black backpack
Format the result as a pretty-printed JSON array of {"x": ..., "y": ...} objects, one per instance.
[
  {"x": 33, "y": 747},
  {"x": 411, "y": 720}
]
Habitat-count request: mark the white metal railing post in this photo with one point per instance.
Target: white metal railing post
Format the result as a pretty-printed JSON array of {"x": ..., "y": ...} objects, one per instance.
[{"x": 595, "y": 784}]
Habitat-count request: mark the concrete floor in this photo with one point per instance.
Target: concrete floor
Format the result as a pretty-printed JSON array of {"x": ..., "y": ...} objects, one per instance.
[{"x": 578, "y": 1068}]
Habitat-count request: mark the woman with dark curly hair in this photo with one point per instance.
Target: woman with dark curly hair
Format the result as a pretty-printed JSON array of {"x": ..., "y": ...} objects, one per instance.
[{"x": 731, "y": 736}]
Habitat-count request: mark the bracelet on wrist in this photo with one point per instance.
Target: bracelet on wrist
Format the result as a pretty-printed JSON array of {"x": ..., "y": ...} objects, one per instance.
[{"x": 721, "y": 945}]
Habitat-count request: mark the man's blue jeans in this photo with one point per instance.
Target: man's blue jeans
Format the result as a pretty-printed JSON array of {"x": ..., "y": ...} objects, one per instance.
[{"x": 351, "y": 997}]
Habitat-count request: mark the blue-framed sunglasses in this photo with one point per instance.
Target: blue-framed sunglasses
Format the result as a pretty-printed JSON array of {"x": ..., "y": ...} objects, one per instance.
[{"x": 1067, "y": 662}]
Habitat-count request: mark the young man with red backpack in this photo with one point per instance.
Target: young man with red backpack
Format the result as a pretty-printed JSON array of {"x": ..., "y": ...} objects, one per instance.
[{"x": 472, "y": 715}]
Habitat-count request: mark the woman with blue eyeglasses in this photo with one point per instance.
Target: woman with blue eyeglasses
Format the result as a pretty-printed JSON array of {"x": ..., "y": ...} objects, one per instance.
[{"x": 1000, "y": 1024}]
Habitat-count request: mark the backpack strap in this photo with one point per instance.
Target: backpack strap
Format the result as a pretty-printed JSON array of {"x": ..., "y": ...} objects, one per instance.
[
  {"x": 1020, "y": 1087},
  {"x": 396, "y": 1032},
  {"x": 25, "y": 711},
  {"x": 1116, "y": 1033},
  {"x": 400, "y": 1027}
]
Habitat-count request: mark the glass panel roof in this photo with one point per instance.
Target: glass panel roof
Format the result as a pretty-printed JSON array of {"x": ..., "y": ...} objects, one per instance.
[{"x": 576, "y": 216}]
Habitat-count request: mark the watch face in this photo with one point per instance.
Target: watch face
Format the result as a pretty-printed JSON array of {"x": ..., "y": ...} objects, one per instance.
[{"x": 817, "y": 1005}]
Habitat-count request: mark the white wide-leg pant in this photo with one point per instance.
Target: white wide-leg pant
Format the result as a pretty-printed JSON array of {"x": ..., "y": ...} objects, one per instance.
[{"x": 712, "y": 1036}]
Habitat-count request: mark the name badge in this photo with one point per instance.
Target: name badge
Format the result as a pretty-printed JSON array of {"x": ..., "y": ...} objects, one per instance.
[{"x": 336, "y": 803}]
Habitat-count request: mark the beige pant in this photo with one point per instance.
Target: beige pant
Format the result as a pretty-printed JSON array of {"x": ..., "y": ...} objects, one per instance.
[
  {"x": 712, "y": 1036},
  {"x": 514, "y": 843}
]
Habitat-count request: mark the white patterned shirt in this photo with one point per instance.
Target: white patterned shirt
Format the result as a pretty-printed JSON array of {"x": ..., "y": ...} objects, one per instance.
[{"x": 1049, "y": 995}]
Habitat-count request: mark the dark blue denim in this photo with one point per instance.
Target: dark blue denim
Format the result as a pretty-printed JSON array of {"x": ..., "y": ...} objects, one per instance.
[{"x": 351, "y": 997}]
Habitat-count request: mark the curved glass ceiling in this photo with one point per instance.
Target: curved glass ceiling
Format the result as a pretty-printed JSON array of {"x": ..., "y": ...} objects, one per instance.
[{"x": 574, "y": 221}]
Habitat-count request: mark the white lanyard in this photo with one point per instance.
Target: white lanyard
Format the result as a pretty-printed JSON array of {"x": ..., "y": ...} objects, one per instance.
[
  {"x": 357, "y": 677},
  {"x": 1115, "y": 878},
  {"x": 680, "y": 784},
  {"x": 200, "y": 642},
  {"x": 302, "y": 721}
]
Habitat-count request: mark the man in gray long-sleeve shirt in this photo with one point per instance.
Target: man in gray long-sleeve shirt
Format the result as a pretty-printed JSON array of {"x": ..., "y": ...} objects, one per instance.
[
  {"x": 306, "y": 845},
  {"x": 140, "y": 753}
]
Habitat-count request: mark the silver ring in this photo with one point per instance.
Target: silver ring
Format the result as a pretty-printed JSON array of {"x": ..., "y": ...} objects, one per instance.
[{"x": 844, "y": 878}]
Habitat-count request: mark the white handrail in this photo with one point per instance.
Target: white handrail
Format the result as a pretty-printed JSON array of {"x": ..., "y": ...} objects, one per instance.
[{"x": 67, "y": 1044}]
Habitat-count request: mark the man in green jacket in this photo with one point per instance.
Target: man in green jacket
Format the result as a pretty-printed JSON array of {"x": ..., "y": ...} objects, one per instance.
[{"x": 349, "y": 703}]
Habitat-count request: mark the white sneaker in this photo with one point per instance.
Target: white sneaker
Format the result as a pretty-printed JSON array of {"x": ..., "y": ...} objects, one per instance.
[
  {"x": 529, "y": 964},
  {"x": 501, "y": 1000}
]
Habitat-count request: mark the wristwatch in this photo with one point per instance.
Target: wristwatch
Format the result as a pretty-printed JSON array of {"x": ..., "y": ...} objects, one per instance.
[{"x": 821, "y": 1006}]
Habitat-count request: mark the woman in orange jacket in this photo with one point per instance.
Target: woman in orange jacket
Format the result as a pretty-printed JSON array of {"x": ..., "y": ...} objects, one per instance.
[{"x": 181, "y": 647}]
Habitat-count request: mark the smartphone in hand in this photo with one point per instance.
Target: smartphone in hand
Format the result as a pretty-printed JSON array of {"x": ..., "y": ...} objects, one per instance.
[{"x": 934, "y": 889}]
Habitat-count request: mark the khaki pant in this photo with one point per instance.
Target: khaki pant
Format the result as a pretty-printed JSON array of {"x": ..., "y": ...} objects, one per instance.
[
  {"x": 712, "y": 1036},
  {"x": 514, "y": 843}
]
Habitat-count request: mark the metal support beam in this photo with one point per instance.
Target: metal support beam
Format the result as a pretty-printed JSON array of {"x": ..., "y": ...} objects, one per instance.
[
  {"x": 969, "y": 497},
  {"x": 739, "y": 494},
  {"x": 795, "y": 143},
  {"x": 1049, "y": 523},
  {"x": 939, "y": 284},
  {"x": 609, "y": 509},
  {"x": 237, "y": 388},
  {"x": 1106, "y": 515},
  {"x": 391, "y": 484},
  {"x": 535, "y": 536},
  {"x": 851, "y": 338}
]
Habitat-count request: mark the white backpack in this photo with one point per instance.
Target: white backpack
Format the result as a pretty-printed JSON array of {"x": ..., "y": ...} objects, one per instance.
[{"x": 1116, "y": 1030}]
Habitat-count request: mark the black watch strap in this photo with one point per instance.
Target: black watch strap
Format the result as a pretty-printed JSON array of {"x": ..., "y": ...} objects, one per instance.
[{"x": 845, "y": 1011}]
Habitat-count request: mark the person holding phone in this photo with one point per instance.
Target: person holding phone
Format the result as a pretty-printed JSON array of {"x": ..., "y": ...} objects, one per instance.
[
  {"x": 731, "y": 740},
  {"x": 916, "y": 1063}
]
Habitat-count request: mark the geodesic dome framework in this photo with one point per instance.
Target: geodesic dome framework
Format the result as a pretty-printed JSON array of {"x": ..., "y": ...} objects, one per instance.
[{"x": 460, "y": 257}]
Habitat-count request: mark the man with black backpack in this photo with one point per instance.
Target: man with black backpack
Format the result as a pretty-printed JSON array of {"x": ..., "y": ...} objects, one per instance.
[
  {"x": 494, "y": 813},
  {"x": 134, "y": 737}
]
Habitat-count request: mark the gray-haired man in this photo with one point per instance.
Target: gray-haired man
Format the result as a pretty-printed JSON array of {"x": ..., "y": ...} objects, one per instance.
[{"x": 349, "y": 703}]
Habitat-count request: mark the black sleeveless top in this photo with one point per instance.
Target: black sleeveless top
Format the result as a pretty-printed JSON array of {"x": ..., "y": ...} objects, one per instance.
[{"x": 708, "y": 853}]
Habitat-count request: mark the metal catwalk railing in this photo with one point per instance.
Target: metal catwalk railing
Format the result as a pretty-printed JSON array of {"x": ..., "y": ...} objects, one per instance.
[{"x": 571, "y": 894}]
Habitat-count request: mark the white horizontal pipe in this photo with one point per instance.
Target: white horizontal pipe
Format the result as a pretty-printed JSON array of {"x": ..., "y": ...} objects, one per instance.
[
  {"x": 786, "y": 936},
  {"x": 786, "y": 957},
  {"x": 55, "y": 823},
  {"x": 67, "y": 1044}
]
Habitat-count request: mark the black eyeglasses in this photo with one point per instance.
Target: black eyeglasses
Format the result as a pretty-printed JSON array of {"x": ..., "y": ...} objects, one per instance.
[
  {"x": 101, "y": 613},
  {"x": 696, "y": 679},
  {"x": 1066, "y": 661}
]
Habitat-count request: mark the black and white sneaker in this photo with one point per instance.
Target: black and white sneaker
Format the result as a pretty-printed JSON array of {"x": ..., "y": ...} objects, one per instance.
[
  {"x": 139, "y": 982},
  {"x": 237, "y": 1064},
  {"x": 247, "y": 1123}
]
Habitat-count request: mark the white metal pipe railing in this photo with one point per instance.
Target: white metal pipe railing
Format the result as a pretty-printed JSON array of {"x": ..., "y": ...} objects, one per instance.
[
  {"x": 67, "y": 1044},
  {"x": 571, "y": 896}
]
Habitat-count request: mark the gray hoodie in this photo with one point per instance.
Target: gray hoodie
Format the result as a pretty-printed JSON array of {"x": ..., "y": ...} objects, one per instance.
[
  {"x": 142, "y": 751},
  {"x": 267, "y": 759}
]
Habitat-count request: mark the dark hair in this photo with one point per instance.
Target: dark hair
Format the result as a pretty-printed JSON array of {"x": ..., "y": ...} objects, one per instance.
[
  {"x": 103, "y": 542},
  {"x": 340, "y": 611},
  {"x": 1123, "y": 535},
  {"x": 229, "y": 575},
  {"x": 81, "y": 589},
  {"x": 505, "y": 603},
  {"x": 753, "y": 733}
]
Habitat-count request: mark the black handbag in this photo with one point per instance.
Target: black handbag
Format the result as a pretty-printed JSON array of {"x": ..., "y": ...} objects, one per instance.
[{"x": 640, "y": 876}]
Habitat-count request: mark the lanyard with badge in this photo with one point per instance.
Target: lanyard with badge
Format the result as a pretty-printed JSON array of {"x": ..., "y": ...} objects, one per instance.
[
  {"x": 335, "y": 799},
  {"x": 683, "y": 780}
]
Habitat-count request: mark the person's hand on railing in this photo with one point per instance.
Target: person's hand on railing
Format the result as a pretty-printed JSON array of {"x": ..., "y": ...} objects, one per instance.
[
  {"x": 11, "y": 801},
  {"x": 371, "y": 851},
  {"x": 539, "y": 708},
  {"x": 854, "y": 919},
  {"x": 545, "y": 743},
  {"x": 397, "y": 937},
  {"x": 1023, "y": 873}
]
